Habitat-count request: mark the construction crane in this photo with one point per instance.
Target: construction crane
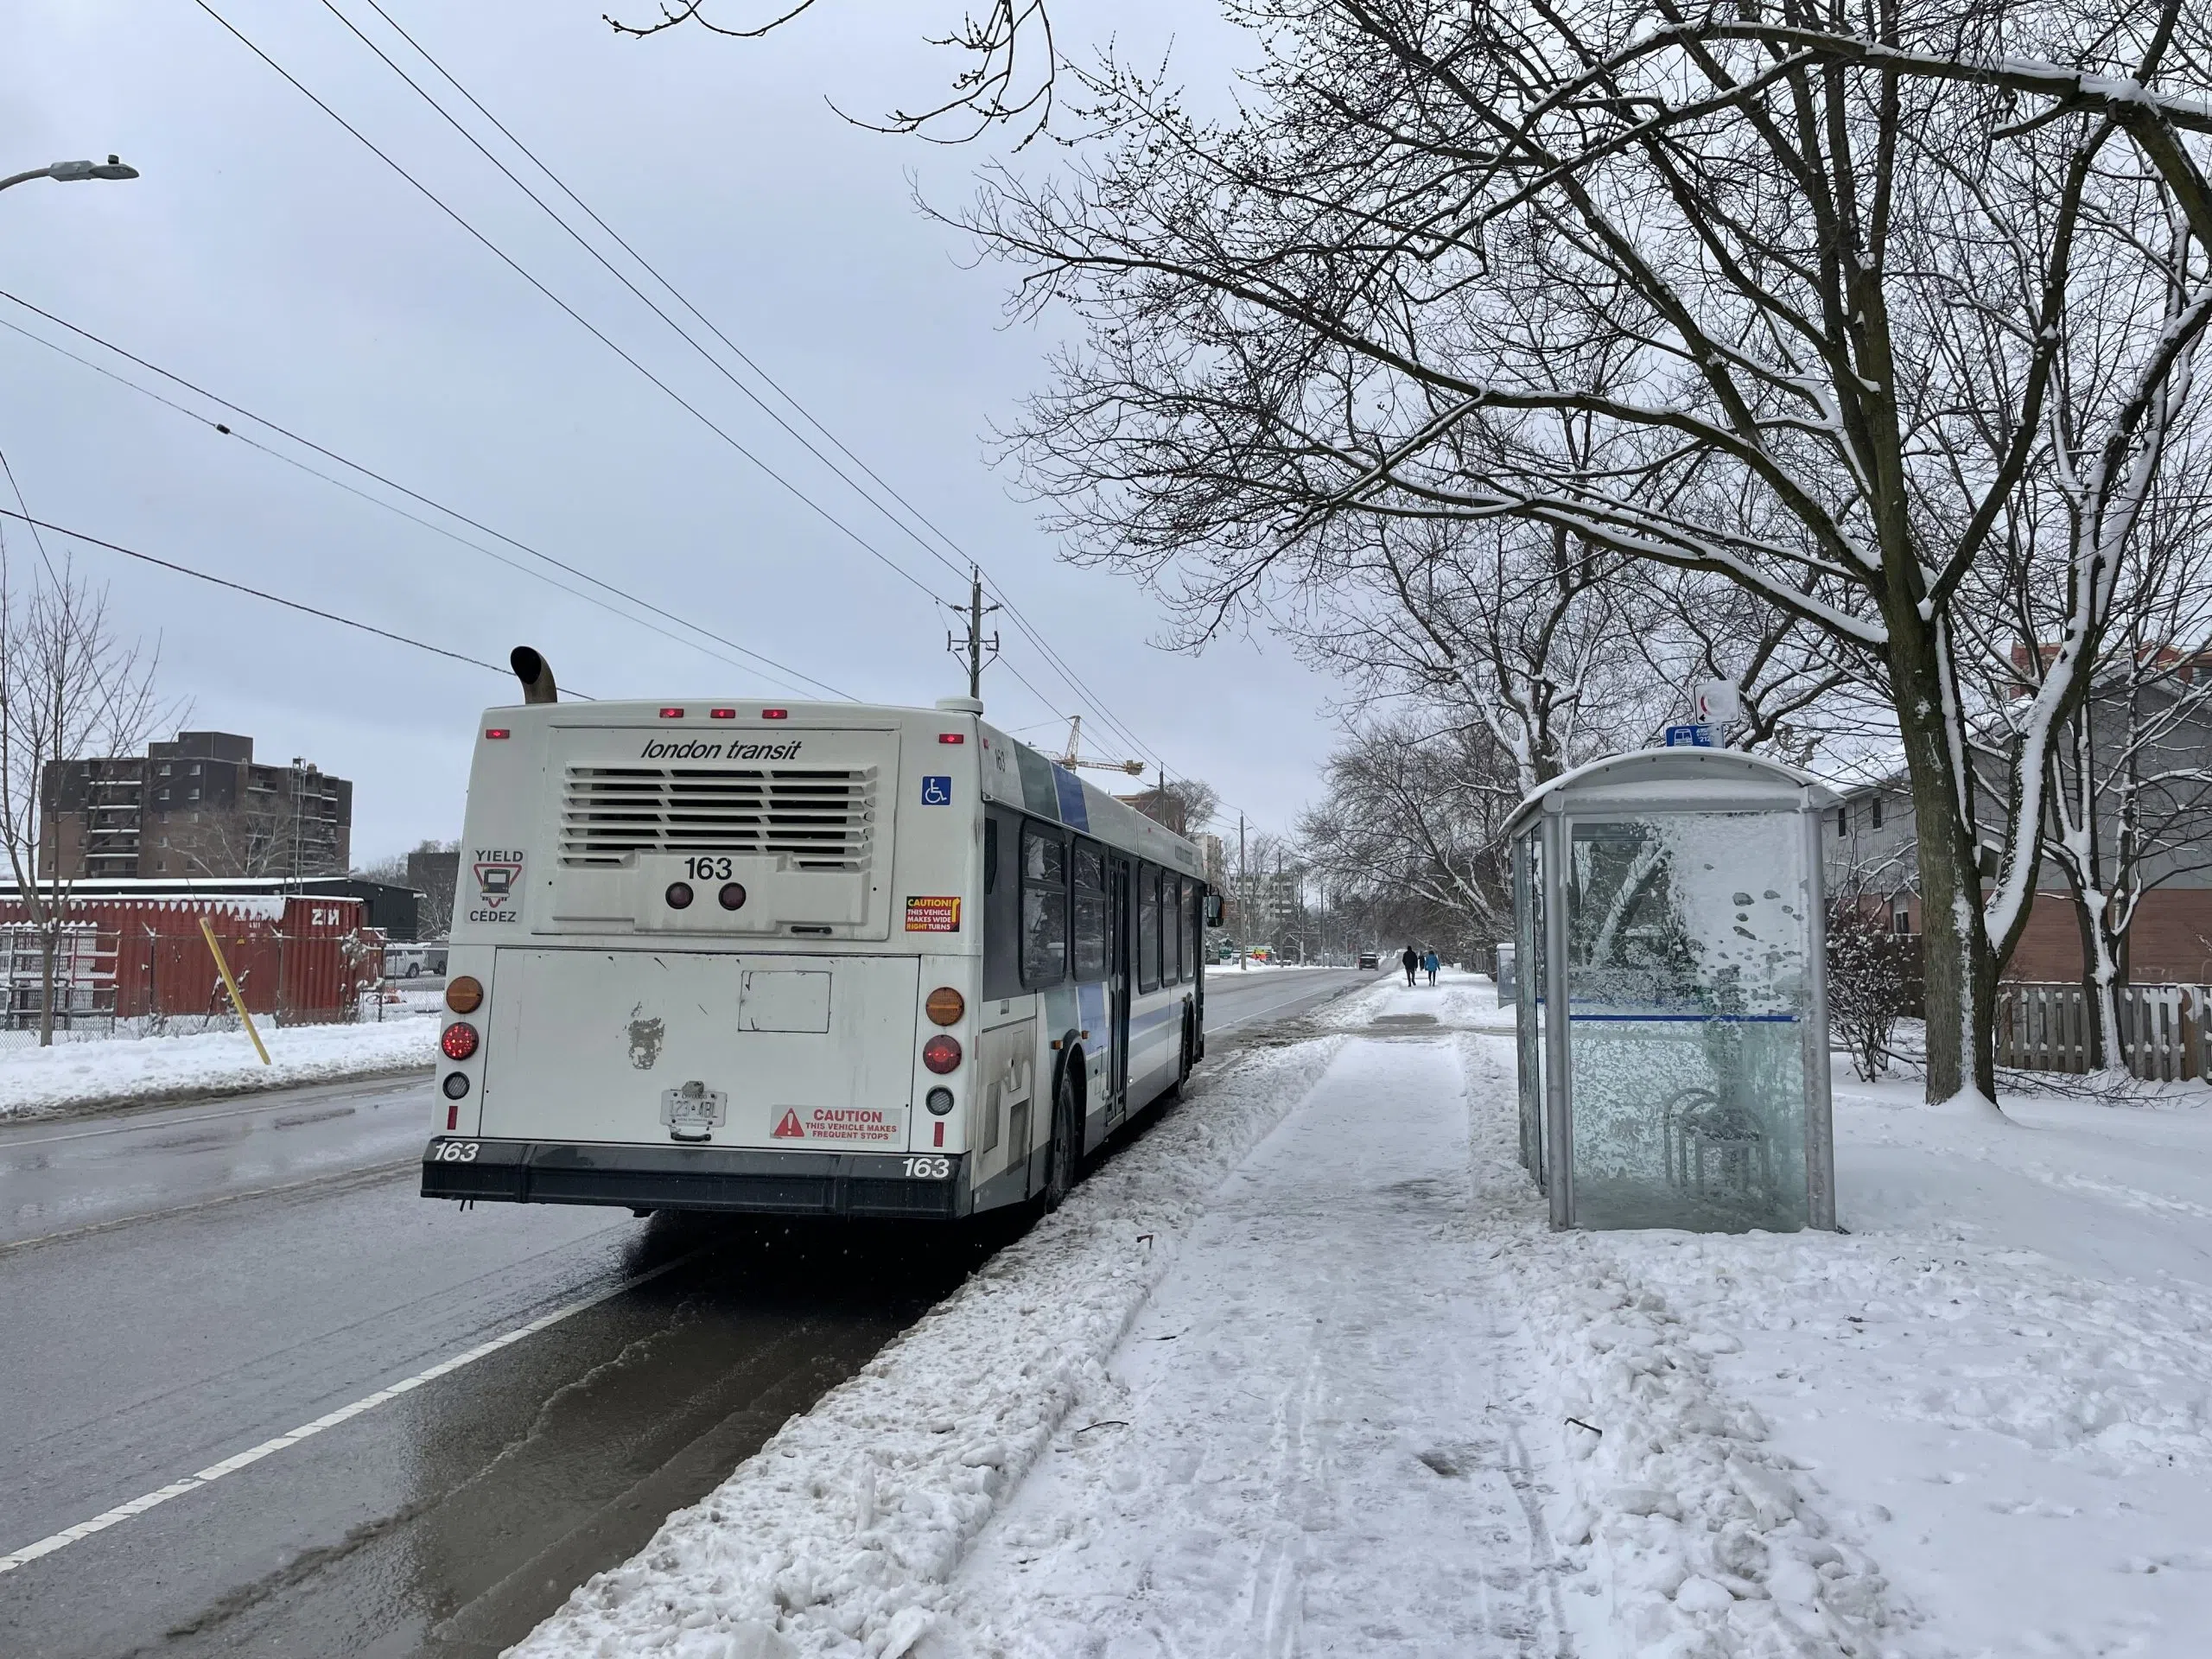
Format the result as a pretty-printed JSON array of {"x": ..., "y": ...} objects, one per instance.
[{"x": 1074, "y": 756}]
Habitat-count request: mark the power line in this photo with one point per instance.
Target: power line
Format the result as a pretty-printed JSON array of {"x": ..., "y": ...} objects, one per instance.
[
  {"x": 500, "y": 254},
  {"x": 37, "y": 540},
  {"x": 434, "y": 528},
  {"x": 370, "y": 473},
  {"x": 1035, "y": 636},
  {"x": 257, "y": 593}
]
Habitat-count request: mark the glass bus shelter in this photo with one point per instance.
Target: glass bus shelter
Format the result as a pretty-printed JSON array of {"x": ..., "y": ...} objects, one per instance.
[{"x": 1671, "y": 1002}]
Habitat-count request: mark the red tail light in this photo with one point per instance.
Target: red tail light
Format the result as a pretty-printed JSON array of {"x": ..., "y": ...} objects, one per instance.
[
  {"x": 721, "y": 714},
  {"x": 940, "y": 1054},
  {"x": 671, "y": 714},
  {"x": 775, "y": 714},
  {"x": 495, "y": 732},
  {"x": 459, "y": 1041},
  {"x": 952, "y": 737}
]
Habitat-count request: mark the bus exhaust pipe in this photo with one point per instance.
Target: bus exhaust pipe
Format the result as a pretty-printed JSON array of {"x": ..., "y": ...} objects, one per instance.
[{"x": 536, "y": 675}]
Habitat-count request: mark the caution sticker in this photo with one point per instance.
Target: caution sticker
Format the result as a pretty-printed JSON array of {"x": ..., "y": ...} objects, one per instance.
[
  {"x": 933, "y": 915},
  {"x": 868, "y": 1126}
]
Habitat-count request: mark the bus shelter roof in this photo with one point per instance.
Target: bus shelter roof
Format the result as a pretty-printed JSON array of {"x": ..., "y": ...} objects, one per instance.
[{"x": 1683, "y": 778}]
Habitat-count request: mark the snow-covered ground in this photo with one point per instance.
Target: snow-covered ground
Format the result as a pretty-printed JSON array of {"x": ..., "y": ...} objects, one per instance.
[
  {"x": 1304, "y": 1372},
  {"x": 123, "y": 1069}
]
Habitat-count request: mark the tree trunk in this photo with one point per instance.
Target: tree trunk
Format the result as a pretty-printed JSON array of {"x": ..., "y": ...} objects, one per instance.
[
  {"x": 49, "y": 944},
  {"x": 2096, "y": 982},
  {"x": 1960, "y": 968}
]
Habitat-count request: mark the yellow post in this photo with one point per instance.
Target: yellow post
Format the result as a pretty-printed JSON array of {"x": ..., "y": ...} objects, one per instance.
[{"x": 231, "y": 985}]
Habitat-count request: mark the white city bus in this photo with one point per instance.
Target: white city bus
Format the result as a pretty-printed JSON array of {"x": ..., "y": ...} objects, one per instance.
[{"x": 803, "y": 958}]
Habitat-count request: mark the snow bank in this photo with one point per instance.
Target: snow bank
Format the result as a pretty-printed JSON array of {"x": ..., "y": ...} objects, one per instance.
[
  {"x": 124, "y": 1069},
  {"x": 839, "y": 1535}
]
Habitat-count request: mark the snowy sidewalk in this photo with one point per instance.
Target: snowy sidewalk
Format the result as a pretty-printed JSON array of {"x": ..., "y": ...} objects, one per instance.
[{"x": 1314, "y": 1443}]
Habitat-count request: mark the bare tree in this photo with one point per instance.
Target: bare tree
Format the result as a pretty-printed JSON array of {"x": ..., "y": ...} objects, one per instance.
[
  {"x": 1411, "y": 828},
  {"x": 1009, "y": 71},
  {"x": 2131, "y": 800},
  {"x": 69, "y": 689},
  {"x": 1777, "y": 303}
]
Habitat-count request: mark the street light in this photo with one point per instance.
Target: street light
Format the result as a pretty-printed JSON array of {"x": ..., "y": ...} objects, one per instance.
[{"x": 75, "y": 172}]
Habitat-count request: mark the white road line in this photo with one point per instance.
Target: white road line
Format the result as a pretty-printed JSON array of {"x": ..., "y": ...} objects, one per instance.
[{"x": 253, "y": 1454}]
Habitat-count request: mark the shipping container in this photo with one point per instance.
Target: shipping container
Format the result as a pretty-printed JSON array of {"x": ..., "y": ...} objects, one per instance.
[{"x": 300, "y": 958}]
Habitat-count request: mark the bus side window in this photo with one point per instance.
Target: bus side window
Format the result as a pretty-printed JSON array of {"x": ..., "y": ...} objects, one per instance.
[
  {"x": 1147, "y": 928},
  {"x": 1044, "y": 908},
  {"x": 1090, "y": 913},
  {"x": 990, "y": 856},
  {"x": 1194, "y": 926},
  {"x": 1178, "y": 965}
]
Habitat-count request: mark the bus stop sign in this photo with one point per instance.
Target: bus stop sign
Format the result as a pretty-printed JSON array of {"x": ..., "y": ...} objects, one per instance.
[{"x": 1690, "y": 737}]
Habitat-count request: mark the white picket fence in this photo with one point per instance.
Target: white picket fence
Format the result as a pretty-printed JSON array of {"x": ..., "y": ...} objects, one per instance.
[{"x": 2162, "y": 1029}]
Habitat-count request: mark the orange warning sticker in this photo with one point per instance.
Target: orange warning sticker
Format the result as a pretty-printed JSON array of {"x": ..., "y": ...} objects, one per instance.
[
  {"x": 933, "y": 915},
  {"x": 850, "y": 1125}
]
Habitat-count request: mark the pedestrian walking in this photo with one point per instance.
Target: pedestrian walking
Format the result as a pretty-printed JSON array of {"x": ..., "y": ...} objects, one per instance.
[
  {"x": 1409, "y": 959},
  {"x": 1430, "y": 962}
]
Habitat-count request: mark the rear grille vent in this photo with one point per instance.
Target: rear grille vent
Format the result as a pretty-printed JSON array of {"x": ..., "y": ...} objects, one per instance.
[{"x": 823, "y": 817}]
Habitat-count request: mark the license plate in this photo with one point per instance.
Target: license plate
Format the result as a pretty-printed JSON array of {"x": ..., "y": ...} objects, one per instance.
[{"x": 694, "y": 1110}]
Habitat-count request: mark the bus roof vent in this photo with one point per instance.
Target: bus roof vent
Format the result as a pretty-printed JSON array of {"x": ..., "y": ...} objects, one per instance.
[
  {"x": 960, "y": 705},
  {"x": 822, "y": 817}
]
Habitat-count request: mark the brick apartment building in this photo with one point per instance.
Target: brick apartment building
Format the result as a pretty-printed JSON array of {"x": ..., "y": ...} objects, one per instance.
[{"x": 197, "y": 807}]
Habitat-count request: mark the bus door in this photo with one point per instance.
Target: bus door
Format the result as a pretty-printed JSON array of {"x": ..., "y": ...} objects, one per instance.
[{"x": 1118, "y": 989}]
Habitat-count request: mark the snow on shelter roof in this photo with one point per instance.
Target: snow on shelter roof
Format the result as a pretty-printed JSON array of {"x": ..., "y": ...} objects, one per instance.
[{"x": 1715, "y": 780}]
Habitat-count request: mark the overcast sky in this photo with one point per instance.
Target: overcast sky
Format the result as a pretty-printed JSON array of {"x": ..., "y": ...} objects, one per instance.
[{"x": 268, "y": 257}]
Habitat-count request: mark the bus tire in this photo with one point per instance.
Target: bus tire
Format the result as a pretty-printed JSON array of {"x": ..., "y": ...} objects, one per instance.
[{"x": 1064, "y": 1156}]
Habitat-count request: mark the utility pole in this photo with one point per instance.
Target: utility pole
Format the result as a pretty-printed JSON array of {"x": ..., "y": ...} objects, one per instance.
[
  {"x": 973, "y": 649},
  {"x": 1243, "y": 902}
]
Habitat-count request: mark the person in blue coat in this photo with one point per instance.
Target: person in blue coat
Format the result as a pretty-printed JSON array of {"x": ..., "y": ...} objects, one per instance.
[{"x": 1430, "y": 962}]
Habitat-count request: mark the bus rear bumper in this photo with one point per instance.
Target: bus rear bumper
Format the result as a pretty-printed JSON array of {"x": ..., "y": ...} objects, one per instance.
[{"x": 729, "y": 1179}]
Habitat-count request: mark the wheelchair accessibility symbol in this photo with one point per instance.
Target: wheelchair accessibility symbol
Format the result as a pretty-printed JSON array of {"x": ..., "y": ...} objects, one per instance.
[{"x": 936, "y": 792}]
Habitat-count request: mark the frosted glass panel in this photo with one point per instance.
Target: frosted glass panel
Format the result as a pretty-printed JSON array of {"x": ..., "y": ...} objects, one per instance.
[
  {"x": 1528, "y": 943},
  {"x": 1687, "y": 992}
]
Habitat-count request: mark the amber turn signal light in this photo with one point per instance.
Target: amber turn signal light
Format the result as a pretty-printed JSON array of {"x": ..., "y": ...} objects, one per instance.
[
  {"x": 465, "y": 994},
  {"x": 945, "y": 1005}
]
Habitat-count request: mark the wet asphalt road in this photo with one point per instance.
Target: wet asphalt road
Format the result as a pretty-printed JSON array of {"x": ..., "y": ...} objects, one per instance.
[{"x": 179, "y": 1285}]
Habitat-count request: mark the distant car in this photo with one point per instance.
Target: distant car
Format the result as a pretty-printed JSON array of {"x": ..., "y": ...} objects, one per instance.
[
  {"x": 413, "y": 961},
  {"x": 1369, "y": 959}
]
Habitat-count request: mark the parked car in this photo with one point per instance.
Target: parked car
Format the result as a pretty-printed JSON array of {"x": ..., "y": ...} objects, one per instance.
[
  {"x": 414, "y": 961},
  {"x": 1371, "y": 959}
]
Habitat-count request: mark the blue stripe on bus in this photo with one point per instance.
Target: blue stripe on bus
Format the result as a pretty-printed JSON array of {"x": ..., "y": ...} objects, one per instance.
[{"x": 1072, "y": 808}]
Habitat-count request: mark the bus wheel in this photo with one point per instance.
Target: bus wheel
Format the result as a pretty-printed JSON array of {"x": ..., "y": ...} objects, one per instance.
[{"x": 1067, "y": 1139}]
